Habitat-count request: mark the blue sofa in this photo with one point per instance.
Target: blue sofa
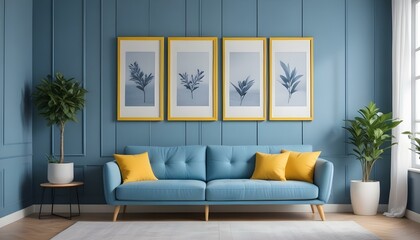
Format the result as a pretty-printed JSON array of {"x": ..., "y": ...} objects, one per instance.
[{"x": 214, "y": 175}]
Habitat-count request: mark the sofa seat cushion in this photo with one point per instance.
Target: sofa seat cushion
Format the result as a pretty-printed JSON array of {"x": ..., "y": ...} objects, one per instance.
[
  {"x": 254, "y": 190},
  {"x": 162, "y": 190}
]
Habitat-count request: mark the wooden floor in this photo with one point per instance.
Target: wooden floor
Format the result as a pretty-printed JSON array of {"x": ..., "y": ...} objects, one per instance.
[{"x": 33, "y": 228}]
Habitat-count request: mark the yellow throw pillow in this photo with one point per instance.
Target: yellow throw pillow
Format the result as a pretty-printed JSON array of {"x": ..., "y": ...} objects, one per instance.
[
  {"x": 270, "y": 166},
  {"x": 135, "y": 167},
  {"x": 301, "y": 165}
]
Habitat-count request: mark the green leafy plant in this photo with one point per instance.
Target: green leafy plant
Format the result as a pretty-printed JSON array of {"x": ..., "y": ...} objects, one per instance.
[
  {"x": 140, "y": 78},
  {"x": 290, "y": 80},
  {"x": 415, "y": 142},
  {"x": 58, "y": 101},
  {"x": 243, "y": 87},
  {"x": 52, "y": 158},
  {"x": 193, "y": 83},
  {"x": 368, "y": 134}
]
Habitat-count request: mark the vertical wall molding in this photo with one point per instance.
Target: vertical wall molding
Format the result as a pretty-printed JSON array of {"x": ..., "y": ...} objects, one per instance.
[
  {"x": 346, "y": 74},
  {"x": 22, "y": 147},
  {"x": 115, "y": 36},
  {"x": 101, "y": 78},
  {"x": 52, "y": 37},
  {"x": 3, "y": 193},
  {"x": 149, "y": 18},
  {"x": 346, "y": 181},
  {"x": 150, "y": 133},
  {"x": 374, "y": 51},
  {"x": 3, "y": 74},
  {"x": 4, "y": 142},
  {"x": 84, "y": 77},
  {"x": 185, "y": 21},
  {"x": 302, "y": 16},
  {"x": 313, "y": 80},
  {"x": 223, "y": 34},
  {"x": 102, "y": 134},
  {"x": 52, "y": 65},
  {"x": 257, "y": 34},
  {"x": 200, "y": 14},
  {"x": 15, "y": 131},
  {"x": 83, "y": 112},
  {"x": 200, "y": 19},
  {"x": 257, "y": 4},
  {"x": 148, "y": 30}
]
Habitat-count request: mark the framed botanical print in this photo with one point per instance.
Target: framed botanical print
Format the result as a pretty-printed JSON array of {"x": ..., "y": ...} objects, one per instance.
[
  {"x": 192, "y": 78},
  {"x": 291, "y": 78},
  {"x": 244, "y": 79},
  {"x": 140, "y": 78}
]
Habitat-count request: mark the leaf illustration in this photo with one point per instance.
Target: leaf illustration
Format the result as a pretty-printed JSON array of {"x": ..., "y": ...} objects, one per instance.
[
  {"x": 193, "y": 83},
  {"x": 140, "y": 78},
  {"x": 290, "y": 80},
  {"x": 243, "y": 87}
]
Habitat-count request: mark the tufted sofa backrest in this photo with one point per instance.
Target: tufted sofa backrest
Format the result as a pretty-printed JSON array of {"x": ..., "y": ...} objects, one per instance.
[
  {"x": 181, "y": 162},
  {"x": 236, "y": 162}
]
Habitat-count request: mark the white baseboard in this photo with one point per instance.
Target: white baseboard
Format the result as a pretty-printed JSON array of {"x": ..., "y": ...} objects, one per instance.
[
  {"x": 13, "y": 217},
  {"x": 103, "y": 208},
  {"x": 413, "y": 216}
]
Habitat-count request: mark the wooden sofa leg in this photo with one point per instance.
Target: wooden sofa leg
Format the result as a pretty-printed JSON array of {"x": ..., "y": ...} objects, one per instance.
[
  {"x": 116, "y": 211},
  {"x": 321, "y": 212},
  {"x": 124, "y": 209},
  {"x": 313, "y": 208},
  {"x": 206, "y": 213}
]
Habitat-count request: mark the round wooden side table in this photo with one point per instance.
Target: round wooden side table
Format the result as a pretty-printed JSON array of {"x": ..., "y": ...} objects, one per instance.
[{"x": 69, "y": 186}]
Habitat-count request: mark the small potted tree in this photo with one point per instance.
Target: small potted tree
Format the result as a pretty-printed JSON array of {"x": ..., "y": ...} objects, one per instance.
[
  {"x": 58, "y": 101},
  {"x": 370, "y": 136}
]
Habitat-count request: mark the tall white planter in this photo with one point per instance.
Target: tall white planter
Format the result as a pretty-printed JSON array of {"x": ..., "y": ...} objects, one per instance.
[
  {"x": 364, "y": 197},
  {"x": 60, "y": 173}
]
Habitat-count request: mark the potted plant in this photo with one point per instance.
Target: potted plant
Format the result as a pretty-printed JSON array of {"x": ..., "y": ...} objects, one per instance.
[
  {"x": 370, "y": 136},
  {"x": 58, "y": 101},
  {"x": 415, "y": 142}
]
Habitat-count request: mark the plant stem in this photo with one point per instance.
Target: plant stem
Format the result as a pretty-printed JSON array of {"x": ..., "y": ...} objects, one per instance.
[
  {"x": 366, "y": 170},
  {"x": 192, "y": 94},
  {"x": 290, "y": 95},
  {"x": 144, "y": 96},
  {"x": 62, "y": 142},
  {"x": 242, "y": 98}
]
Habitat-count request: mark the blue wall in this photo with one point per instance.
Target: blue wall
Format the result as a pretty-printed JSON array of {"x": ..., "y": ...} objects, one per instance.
[
  {"x": 413, "y": 202},
  {"x": 15, "y": 105},
  {"x": 352, "y": 62}
]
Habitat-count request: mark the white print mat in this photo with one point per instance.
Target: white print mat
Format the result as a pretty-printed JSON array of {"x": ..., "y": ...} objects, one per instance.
[{"x": 220, "y": 230}]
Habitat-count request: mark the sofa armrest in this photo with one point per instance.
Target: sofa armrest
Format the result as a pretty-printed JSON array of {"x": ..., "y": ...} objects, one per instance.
[
  {"x": 323, "y": 177},
  {"x": 112, "y": 179}
]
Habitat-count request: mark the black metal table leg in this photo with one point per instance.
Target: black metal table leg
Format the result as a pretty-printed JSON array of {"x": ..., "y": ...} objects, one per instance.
[
  {"x": 78, "y": 203},
  {"x": 70, "y": 203},
  {"x": 70, "y": 186},
  {"x": 42, "y": 201},
  {"x": 52, "y": 200}
]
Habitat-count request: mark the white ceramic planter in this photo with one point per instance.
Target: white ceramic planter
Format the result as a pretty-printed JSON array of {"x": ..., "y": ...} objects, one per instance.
[
  {"x": 60, "y": 173},
  {"x": 364, "y": 197}
]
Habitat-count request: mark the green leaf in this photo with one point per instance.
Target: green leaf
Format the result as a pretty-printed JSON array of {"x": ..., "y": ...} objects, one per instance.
[{"x": 370, "y": 135}]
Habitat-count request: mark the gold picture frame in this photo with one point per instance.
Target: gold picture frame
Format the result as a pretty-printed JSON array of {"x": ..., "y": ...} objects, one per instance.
[
  {"x": 140, "y": 78},
  {"x": 192, "y": 79},
  {"x": 291, "y": 79},
  {"x": 244, "y": 78}
]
